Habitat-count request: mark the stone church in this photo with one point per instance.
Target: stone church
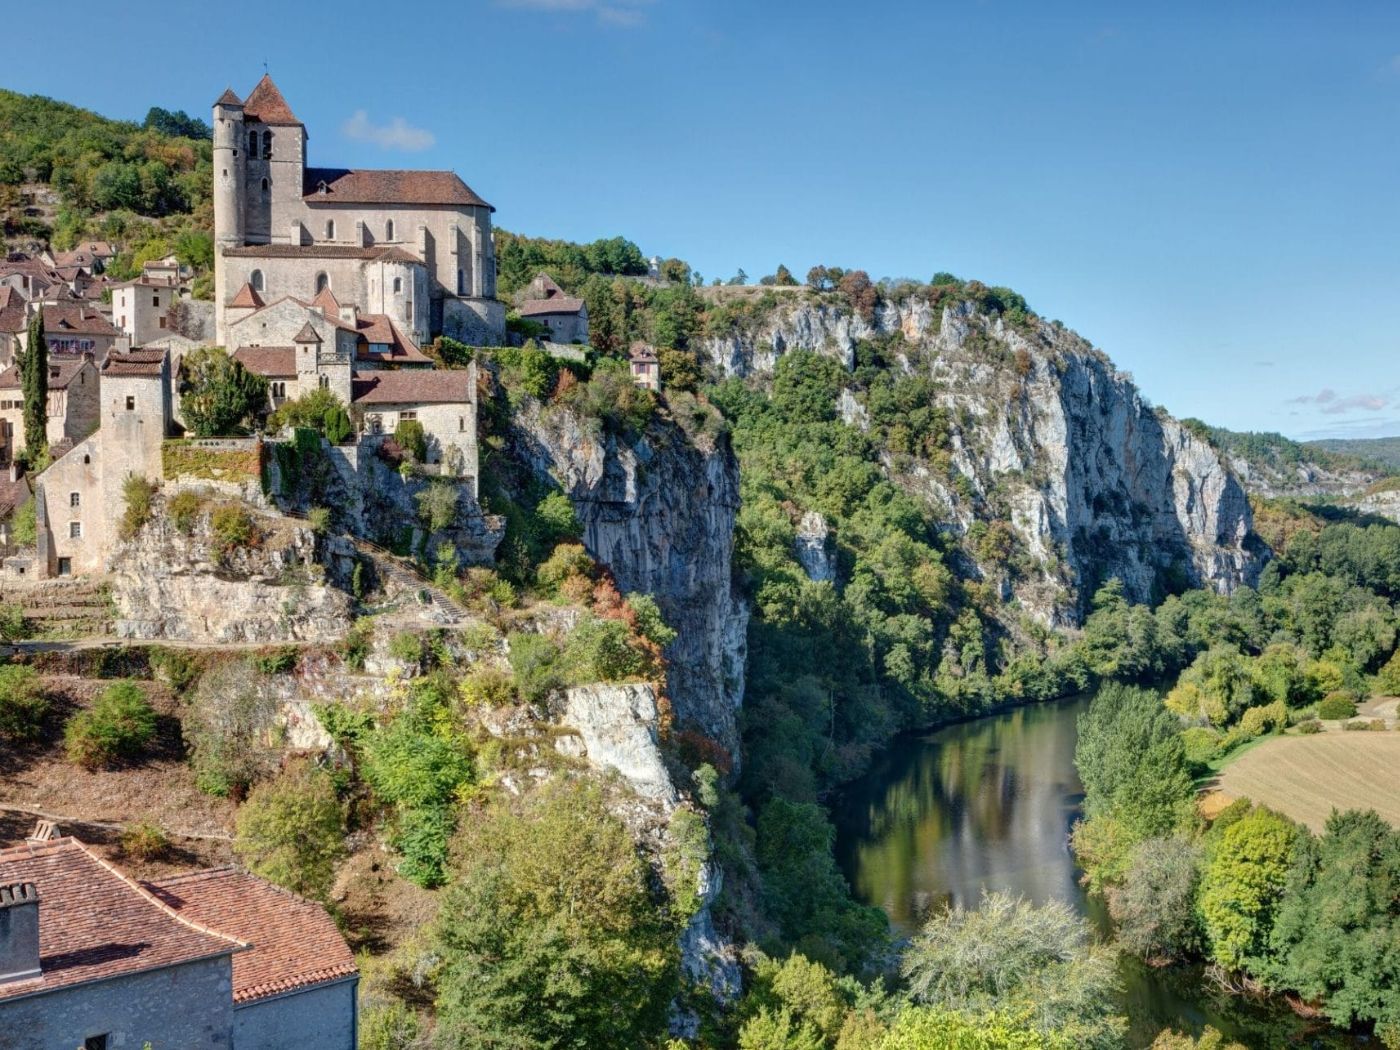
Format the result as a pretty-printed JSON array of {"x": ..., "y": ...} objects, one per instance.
[{"x": 414, "y": 246}]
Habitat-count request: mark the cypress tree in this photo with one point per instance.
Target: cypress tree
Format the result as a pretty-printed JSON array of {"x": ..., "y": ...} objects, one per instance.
[{"x": 34, "y": 381}]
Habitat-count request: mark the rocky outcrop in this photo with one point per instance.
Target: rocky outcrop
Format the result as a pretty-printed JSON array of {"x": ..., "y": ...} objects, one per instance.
[
  {"x": 1046, "y": 435},
  {"x": 658, "y": 511},
  {"x": 617, "y": 728},
  {"x": 813, "y": 548},
  {"x": 167, "y": 584}
]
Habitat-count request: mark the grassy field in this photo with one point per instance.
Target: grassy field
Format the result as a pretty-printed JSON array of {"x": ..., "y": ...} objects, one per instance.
[{"x": 1306, "y": 777}]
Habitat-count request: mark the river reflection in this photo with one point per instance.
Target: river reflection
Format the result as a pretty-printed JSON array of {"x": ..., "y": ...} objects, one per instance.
[{"x": 988, "y": 805}]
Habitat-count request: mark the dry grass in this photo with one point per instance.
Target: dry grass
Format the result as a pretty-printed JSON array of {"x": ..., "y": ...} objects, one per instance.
[{"x": 1306, "y": 777}]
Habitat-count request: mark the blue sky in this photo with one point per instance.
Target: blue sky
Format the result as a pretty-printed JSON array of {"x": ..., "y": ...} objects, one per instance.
[{"x": 1206, "y": 191}]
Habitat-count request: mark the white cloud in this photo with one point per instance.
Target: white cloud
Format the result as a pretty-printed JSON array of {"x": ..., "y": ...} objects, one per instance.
[
  {"x": 623, "y": 13},
  {"x": 398, "y": 134},
  {"x": 1332, "y": 404}
]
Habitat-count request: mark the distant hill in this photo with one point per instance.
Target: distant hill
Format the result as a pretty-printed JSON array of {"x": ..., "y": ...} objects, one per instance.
[
  {"x": 1272, "y": 465},
  {"x": 1384, "y": 451}
]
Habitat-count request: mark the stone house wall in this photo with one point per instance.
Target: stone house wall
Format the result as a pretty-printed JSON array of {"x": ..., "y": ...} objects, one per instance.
[
  {"x": 173, "y": 1008},
  {"x": 141, "y": 311},
  {"x": 318, "y": 1018}
]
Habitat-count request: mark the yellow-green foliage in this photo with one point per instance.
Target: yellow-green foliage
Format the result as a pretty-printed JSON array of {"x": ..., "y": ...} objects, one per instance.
[
  {"x": 185, "y": 459},
  {"x": 183, "y": 508}
]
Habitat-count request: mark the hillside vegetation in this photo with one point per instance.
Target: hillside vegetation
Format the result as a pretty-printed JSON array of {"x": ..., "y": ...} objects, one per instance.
[{"x": 67, "y": 175}]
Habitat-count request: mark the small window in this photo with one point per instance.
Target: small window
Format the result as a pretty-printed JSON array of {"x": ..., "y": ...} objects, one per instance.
[
  {"x": 267, "y": 144},
  {"x": 265, "y": 187},
  {"x": 65, "y": 568},
  {"x": 462, "y": 424},
  {"x": 398, "y": 285},
  {"x": 407, "y": 415},
  {"x": 130, "y": 403},
  {"x": 330, "y": 229},
  {"x": 75, "y": 499},
  {"x": 75, "y": 530},
  {"x": 87, "y": 459},
  {"x": 389, "y": 230},
  {"x": 252, "y": 143},
  {"x": 95, "y": 1042},
  {"x": 325, "y": 382},
  {"x": 155, "y": 300},
  {"x": 162, "y": 322},
  {"x": 461, "y": 282},
  {"x": 256, "y": 280},
  {"x": 322, "y": 283}
]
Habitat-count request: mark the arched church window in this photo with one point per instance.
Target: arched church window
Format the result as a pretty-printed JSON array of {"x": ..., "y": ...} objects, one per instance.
[
  {"x": 252, "y": 143},
  {"x": 267, "y": 144},
  {"x": 322, "y": 283},
  {"x": 256, "y": 280},
  {"x": 330, "y": 229},
  {"x": 389, "y": 231}
]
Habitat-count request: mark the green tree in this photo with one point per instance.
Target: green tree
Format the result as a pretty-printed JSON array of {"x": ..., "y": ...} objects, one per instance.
[
  {"x": 34, "y": 387},
  {"x": 290, "y": 831},
  {"x": 1155, "y": 908},
  {"x": 119, "y": 724},
  {"x": 550, "y": 934},
  {"x": 1242, "y": 887},
  {"x": 1338, "y": 924},
  {"x": 228, "y": 726},
  {"x": 926, "y": 1028},
  {"x": 218, "y": 395},
  {"x": 1009, "y": 954}
]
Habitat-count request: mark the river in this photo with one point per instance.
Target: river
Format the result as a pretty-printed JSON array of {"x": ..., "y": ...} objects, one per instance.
[{"x": 989, "y": 804}]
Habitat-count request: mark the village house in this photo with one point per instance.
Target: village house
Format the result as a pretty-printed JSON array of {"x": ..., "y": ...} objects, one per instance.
[
  {"x": 141, "y": 307},
  {"x": 92, "y": 959},
  {"x": 79, "y": 328},
  {"x": 14, "y": 322},
  {"x": 442, "y": 402},
  {"x": 415, "y": 246},
  {"x": 565, "y": 316},
  {"x": 73, "y": 405},
  {"x": 646, "y": 371}
]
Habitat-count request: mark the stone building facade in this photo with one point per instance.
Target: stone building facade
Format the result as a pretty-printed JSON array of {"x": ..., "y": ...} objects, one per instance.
[
  {"x": 413, "y": 245},
  {"x": 565, "y": 316},
  {"x": 72, "y": 405},
  {"x": 141, "y": 308}
]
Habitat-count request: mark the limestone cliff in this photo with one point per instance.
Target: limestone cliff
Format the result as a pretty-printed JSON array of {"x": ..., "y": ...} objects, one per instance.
[
  {"x": 658, "y": 510},
  {"x": 1045, "y": 434}
]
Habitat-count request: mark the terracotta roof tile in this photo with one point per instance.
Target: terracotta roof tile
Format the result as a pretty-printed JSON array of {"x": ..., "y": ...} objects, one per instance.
[
  {"x": 266, "y": 104},
  {"x": 95, "y": 923},
  {"x": 60, "y": 318},
  {"x": 274, "y": 362},
  {"x": 327, "y": 301},
  {"x": 380, "y": 330},
  {"x": 558, "y": 304},
  {"x": 306, "y": 335},
  {"x": 228, "y": 98},
  {"x": 12, "y": 310},
  {"x": 641, "y": 352},
  {"x": 415, "y": 387},
  {"x": 62, "y": 370},
  {"x": 247, "y": 298},
  {"x": 366, "y": 186},
  {"x": 294, "y": 942},
  {"x": 134, "y": 363},
  {"x": 13, "y": 493}
]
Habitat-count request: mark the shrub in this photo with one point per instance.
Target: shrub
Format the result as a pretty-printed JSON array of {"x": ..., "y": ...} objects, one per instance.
[
  {"x": 536, "y": 661},
  {"x": 335, "y": 424},
  {"x": 319, "y": 518},
  {"x": 144, "y": 840},
  {"x": 568, "y": 559},
  {"x": 649, "y": 620},
  {"x": 23, "y": 705},
  {"x": 116, "y": 728},
  {"x": 137, "y": 493},
  {"x": 357, "y": 644},
  {"x": 183, "y": 508},
  {"x": 233, "y": 527},
  {"x": 26, "y": 525},
  {"x": 229, "y": 729},
  {"x": 180, "y": 668},
  {"x": 1337, "y": 705},
  {"x": 290, "y": 831},
  {"x": 555, "y": 515},
  {"x": 407, "y": 648},
  {"x": 217, "y": 394},
  {"x": 1312, "y": 725},
  {"x": 487, "y": 687},
  {"x": 437, "y": 505},
  {"x": 412, "y": 438},
  {"x": 1202, "y": 744},
  {"x": 13, "y": 624},
  {"x": 279, "y": 660}
]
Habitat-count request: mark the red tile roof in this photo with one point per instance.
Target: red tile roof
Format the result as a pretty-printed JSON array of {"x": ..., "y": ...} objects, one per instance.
[
  {"x": 95, "y": 923},
  {"x": 62, "y": 369},
  {"x": 307, "y": 335},
  {"x": 61, "y": 318},
  {"x": 641, "y": 352},
  {"x": 266, "y": 104},
  {"x": 13, "y": 493},
  {"x": 380, "y": 330},
  {"x": 294, "y": 942},
  {"x": 274, "y": 362},
  {"x": 347, "y": 186},
  {"x": 12, "y": 312},
  {"x": 228, "y": 98},
  {"x": 327, "y": 301},
  {"x": 247, "y": 298},
  {"x": 134, "y": 363},
  {"x": 415, "y": 387},
  {"x": 557, "y": 304}
]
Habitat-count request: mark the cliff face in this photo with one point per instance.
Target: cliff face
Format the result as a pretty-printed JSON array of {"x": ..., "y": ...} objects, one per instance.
[
  {"x": 658, "y": 511},
  {"x": 1044, "y": 434}
]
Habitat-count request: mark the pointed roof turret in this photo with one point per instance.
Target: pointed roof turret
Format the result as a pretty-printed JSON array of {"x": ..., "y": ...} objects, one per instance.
[
  {"x": 306, "y": 335},
  {"x": 267, "y": 104},
  {"x": 228, "y": 98},
  {"x": 329, "y": 304},
  {"x": 247, "y": 299}
]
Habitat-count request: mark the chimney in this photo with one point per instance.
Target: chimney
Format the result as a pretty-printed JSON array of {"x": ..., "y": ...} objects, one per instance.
[{"x": 19, "y": 932}]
